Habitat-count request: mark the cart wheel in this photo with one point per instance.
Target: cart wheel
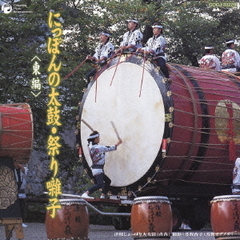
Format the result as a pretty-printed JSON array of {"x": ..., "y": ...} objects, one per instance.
[{"x": 119, "y": 222}]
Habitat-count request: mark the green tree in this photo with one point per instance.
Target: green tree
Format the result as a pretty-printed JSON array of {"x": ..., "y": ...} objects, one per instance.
[{"x": 188, "y": 27}]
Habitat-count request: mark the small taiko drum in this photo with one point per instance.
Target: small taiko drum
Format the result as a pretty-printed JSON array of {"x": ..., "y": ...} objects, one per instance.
[
  {"x": 16, "y": 131},
  {"x": 225, "y": 216},
  {"x": 151, "y": 218},
  {"x": 70, "y": 222}
]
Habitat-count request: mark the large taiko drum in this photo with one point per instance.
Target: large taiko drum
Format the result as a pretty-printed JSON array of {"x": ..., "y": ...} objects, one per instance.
[
  {"x": 136, "y": 99},
  {"x": 225, "y": 216},
  {"x": 151, "y": 218},
  {"x": 184, "y": 132},
  {"x": 16, "y": 131},
  {"x": 70, "y": 222}
]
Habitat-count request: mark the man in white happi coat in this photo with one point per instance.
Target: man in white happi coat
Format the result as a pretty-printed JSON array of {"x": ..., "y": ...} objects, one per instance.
[
  {"x": 209, "y": 60},
  {"x": 102, "y": 52},
  {"x": 132, "y": 39},
  {"x": 155, "y": 46},
  {"x": 97, "y": 154},
  {"x": 230, "y": 58}
]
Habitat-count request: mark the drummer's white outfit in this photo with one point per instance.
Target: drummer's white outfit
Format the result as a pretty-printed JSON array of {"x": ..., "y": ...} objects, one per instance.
[
  {"x": 97, "y": 153},
  {"x": 156, "y": 45},
  {"x": 103, "y": 50},
  {"x": 210, "y": 61},
  {"x": 230, "y": 60},
  {"x": 236, "y": 177},
  {"x": 132, "y": 38}
]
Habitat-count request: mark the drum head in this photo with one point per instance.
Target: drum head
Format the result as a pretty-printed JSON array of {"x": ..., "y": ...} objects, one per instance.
[
  {"x": 72, "y": 201},
  {"x": 138, "y": 114},
  {"x": 226, "y": 198},
  {"x": 151, "y": 199}
]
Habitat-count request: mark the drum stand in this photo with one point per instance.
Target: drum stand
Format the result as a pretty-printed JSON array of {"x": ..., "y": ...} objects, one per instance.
[{"x": 12, "y": 224}]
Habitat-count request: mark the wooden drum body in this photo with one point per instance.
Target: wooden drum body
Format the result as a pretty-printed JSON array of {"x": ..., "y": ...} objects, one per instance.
[
  {"x": 225, "y": 216},
  {"x": 206, "y": 130},
  {"x": 151, "y": 218},
  {"x": 16, "y": 131},
  {"x": 71, "y": 221}
]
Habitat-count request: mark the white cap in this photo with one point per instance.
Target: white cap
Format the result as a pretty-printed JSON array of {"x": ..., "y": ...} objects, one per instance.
[{"x": 132, "y": 20}]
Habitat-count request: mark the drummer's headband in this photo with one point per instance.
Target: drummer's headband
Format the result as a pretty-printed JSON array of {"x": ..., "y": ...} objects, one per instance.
[
  {"x": 157, "y": 26},
  {"x": 209, "y": 47},
  {"x": 93, "y": 136},
  {"x": 104, "y": 33},
  {"x": 132, "y": 20},
  {"x": 230, "y": 41}
]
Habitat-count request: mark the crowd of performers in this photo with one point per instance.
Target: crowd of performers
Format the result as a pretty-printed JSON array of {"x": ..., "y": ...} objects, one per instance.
[
  {"x": 230, "y": 59},
  {"x": 155, "y": 46},
  {"x": 133, "y": 42}
]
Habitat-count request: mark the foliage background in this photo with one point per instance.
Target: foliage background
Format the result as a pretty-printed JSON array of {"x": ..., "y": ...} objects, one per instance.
[{"x": 188, "y": 27}]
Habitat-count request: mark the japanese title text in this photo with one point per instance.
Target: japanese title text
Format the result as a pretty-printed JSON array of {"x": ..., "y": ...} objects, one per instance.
[{"x": 54, "y": 185}]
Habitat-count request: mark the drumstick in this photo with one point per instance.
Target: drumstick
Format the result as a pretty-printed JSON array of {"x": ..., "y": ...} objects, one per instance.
[
  {"x": 115, "y": 130},
  {"x": 87, "y": 124},
  {"x": 144, "y": 61},
  {"x": 115, "y": 70},
  {"x": 80, "y": 65}
]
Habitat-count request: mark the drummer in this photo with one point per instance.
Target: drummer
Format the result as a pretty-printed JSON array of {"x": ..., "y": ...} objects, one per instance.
[
  {"x": 97, "y": 153},
  {"x": 102, "y": 52},
  {"x": 155, "y": 46},
  {"x": 230, "y": 58},
  {"x": 236, "y": 177},
  {"x": 132, "y": 39},
  {"x": 209, "y": 60}
]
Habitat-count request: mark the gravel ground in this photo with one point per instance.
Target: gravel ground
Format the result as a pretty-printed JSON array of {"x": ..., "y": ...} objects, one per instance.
[{"x": 37, "y": 231}]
